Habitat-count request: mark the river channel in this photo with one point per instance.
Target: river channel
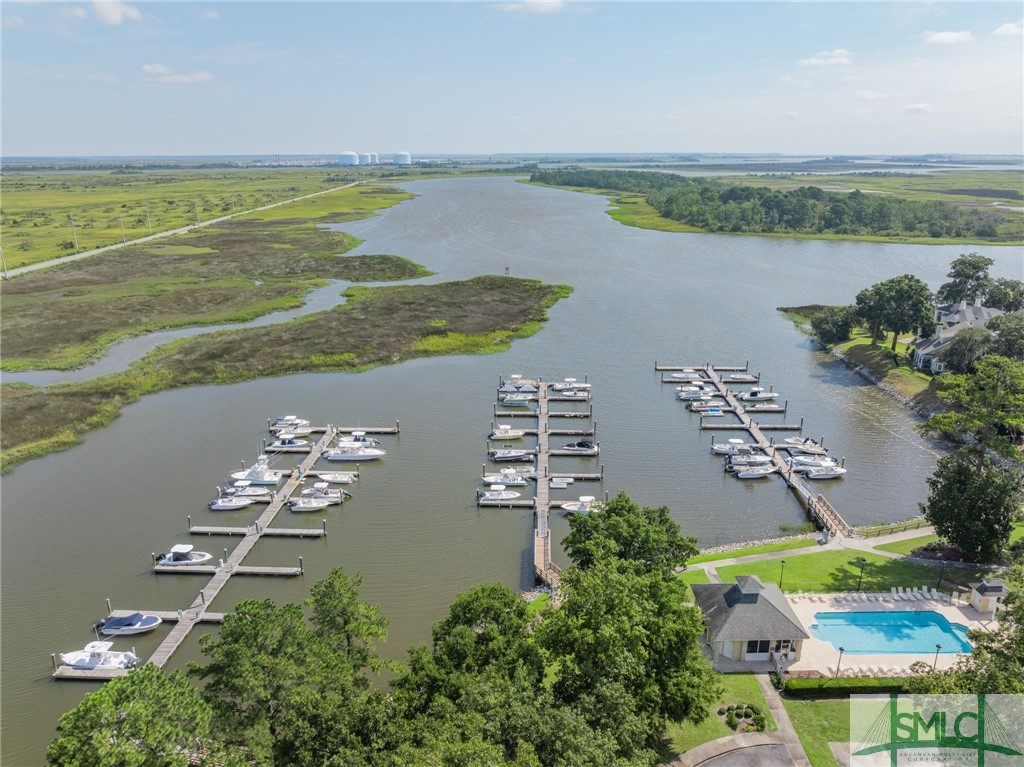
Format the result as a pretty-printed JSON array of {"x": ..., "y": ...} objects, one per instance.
[{"x": 79, "y": 526}]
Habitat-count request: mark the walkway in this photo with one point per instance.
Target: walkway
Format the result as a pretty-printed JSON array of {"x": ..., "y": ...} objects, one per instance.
[{"x": 792, "y": 740}]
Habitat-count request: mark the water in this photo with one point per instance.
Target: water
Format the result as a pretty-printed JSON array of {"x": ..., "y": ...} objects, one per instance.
[
  {"x": 79, "y": 526},
  {"x": 872, "y": 632}
]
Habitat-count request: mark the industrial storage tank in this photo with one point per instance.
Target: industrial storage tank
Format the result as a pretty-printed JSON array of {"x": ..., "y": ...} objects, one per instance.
[
  {"x": 403, "y": 158},
  {"x": 364, "y": 158},
  {"x": 374, "y": 158},
  {"x": 348, "y": 158}
]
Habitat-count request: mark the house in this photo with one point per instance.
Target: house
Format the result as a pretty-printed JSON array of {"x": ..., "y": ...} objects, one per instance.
[
  {"x": 950, "y": 319},
  {"x": 749, "y": 620},
  {"x": 985, "y": 595}
]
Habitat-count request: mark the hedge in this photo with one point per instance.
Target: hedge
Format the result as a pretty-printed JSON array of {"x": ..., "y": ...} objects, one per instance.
[{"x": 842, "y": 687}]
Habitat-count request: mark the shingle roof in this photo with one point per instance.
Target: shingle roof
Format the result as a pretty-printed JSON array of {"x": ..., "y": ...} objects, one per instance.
[
  {"x": 748, "y": 609},
  {"x": 991, "y": 587}
]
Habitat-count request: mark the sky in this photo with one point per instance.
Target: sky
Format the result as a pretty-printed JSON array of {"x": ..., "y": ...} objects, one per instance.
[{"x": 527, "y": 76}]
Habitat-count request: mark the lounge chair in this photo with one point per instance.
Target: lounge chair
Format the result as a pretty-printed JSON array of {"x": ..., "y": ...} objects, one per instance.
[{"x": 936, "y": 594}]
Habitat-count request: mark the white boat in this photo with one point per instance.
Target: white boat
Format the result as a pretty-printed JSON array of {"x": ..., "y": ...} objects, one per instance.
[
  {"x": 825, "y": 472},
  {"x": 507, "y": 454},
  {"x": 570, "y": 384},
  {"x": 231, "y": 502},
  {"x": 732, "y": 447},
  {"x": 686, "y": 375},
  {"x": 583, "y": 506},
  {"x": 803, "y": 445},
  {"x": 505, "y": 431},
  {"x": 758, "y": 394},
  {"x": 136, "y": 623},
  {"x": 288, "y": 422},
  {"x": 505, "y": 477},
  {"x": 497, "y": 493},
  {"x": 325, "y": 491},
  {"x": 804, "y": 462},
  {"x": 705, "y": 403},
  {"x": 740, "y": 378},
  {"x": 97, "y": 655},
  {"x": 338, "y": 477},
  {"x": 353, "y": 453},
  {"x": 259, "y": 473},
  {"x": 357, "y": 439},
  {"x": 182, "y": 555},
  {"x": 753, "y": 472},
  {"x": 749, "y": 459},
  {"x": 295, "y": 431},
  {"x": 582, "y": 447},
  {"x": 245, "y": 489},
  {"x": 308, "y": 504},
  {"x": 694, "y": 394},
  {"x": 517, "y": 400},
  {"x": 561, "y": 482},
  {"x": 289, "y": 443}
]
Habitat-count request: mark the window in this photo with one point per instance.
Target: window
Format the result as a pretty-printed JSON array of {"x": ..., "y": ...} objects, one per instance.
[{"x": 758, "y": 646}]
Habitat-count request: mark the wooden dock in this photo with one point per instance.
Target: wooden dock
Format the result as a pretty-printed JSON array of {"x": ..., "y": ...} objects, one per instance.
[{"x": 298, "y": 532}]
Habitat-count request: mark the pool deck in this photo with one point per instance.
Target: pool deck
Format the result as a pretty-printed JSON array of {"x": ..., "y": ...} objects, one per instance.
[{"x": 819, "y": 655}]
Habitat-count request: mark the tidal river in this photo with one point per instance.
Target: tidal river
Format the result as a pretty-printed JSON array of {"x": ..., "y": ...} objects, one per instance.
[{"x": 80, "y": 526}]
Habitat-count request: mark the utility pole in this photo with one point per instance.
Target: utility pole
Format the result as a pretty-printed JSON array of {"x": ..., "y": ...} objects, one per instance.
[
  {"x": 124, "y": 240},
  {"x": 149, "y": 221},
  {"x": 195, "y": 207},
  {"x": 3, "y": 262},
  {"x": 74, "y": 231}
]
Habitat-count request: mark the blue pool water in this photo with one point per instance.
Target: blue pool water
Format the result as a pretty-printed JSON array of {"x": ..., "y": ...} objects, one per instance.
[{"x": 885, "y": 632}]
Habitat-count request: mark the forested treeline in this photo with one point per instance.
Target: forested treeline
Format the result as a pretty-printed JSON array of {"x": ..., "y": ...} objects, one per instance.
[{"x": 717, "y": 206}]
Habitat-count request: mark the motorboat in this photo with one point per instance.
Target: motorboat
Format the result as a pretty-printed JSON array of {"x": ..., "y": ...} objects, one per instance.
[
  {"x": 497, "y": 493},
  {"x": 136, "y": 623},
  {"x": 517, "y": 400},
  {"x": 583, "y": 506},
  {"x": 711, "y": 412},
  {"x": 289, "y": 443},
  {"x": 505, "y": 431},
  {"x": 98, "y": 655},
  {"x": 740, "y": 460},
  {"x": 508, "y": 454},
  {"x": 259, "y": 473},
  {"x": 295, "y": 431},
  {"x": 690, "y": 395},
  {"x": 325, "y": 491},
  {"x": 804, "y": 462},
  {"x": 338, "y": 477},
  {"x": 705, "y": 403},
  {"x": 353, "y": 453},
  {"x": 582, "y": 447},
  {"x": 825, "y": 472},
  {"x": 732, "y": 447},
  {"x": 685, "y": 375},
  {"x": 526, "y": 472},
  {"x": 288, "y": 423},
  {"x": 803, "y": 445},
  {"x": 740, "y": 378},
  {"x": 505, "y": 477},
  {"x": 356, "y": 438},
  {"x": 231, "y": 502},
  {"x": 753, "y": 472},
  {"x": 758, "y": 394},
  {"x": 560, "y": 482},
  {"x": 308, "y": 504},
  {"x": 182, "y": 555},
  {"x": 244, "y": 489},
  {"x": 570, "y": 384}
]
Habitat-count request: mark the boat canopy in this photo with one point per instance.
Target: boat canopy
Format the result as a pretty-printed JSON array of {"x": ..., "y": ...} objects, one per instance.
[{"x": 182, "y": 548}]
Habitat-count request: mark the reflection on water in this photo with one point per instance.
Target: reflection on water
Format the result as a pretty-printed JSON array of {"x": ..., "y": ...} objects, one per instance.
[{"x": 79, "y": 526}]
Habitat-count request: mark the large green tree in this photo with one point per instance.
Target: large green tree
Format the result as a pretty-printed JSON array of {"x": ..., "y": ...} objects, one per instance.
[
  {"x": 965, "y": 348},
  {"x": 1009, "y": 330},
  {"x": 348, "y": 625},
  {"x": 899, "y": 305},
  {"x": 1006, "y": 294},
  {"x": 973, "y": 509},
  {"x": 969, "y": 279},
  {"x": 833, "y": 324}
]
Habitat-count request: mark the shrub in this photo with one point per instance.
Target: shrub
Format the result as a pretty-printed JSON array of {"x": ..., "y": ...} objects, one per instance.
[
  {"x": 777, "y": 680},
  {"x": 722, "y": 710},
  {"x": 732, "y": 721},
  {"x": 841, "y": 688},
  {"x": 748, "y": 713},
  {"x": 755, "y": 708}
]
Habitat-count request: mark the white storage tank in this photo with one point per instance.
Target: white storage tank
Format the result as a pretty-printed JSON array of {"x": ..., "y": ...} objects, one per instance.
[
  {"x": 374, "y": 158},
  {"x": 364, "y": 158},
  {"x": 348, "y": 158},
  {"x": 403, "y": 158}
]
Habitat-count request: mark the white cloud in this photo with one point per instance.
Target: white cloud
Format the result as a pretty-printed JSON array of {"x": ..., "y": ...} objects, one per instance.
[
  {"x": 74, "y": 13},
  {"x": 948, "y": 38},
  {"x": 165, "y": 74},
  {"x": 853, "y": 78},
  {"x": 10, "y": 22},
  {"x": 827, "y": 58},
  {"x": 918, "y": 108},
  {"x": 1015, "y": 29},
  {"x": 534, "y": 6},
  {"x": 870, "y": 95},
  {"x": 210, "y": 15},
  {"x": 114, "y": 12}
]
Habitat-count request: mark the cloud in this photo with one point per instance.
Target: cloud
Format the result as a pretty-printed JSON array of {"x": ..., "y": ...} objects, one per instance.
[
  {"x": 947, "y": 38},
  {"x": 827, "y": 58},
  {"x": 10, "y": 22},
  {"x": 114, "y": 12},
  {"x": 164, "y": 74},
  {"x": 918, "y": 108},
  {"x": 1015, "y": 29},
  {"x": 870, "y": 95},
  {"x": 74, "y": 13},
  {"x": 210, "y": 15},
  {"x": 791, "y": 116},
  {"x": 534, "y": 6}
]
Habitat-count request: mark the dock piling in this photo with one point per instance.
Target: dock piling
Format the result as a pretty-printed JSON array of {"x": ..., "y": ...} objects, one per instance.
[
  {"x": 323, "y": 524},
  {"x": 53, "y": 659},
  {"x": 300, "y": 565},
  {"x": 189, "y": 522},
  {"x": 109, "y": 608}
]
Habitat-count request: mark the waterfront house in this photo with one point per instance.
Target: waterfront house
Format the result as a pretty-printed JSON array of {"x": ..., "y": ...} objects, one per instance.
[
  {"x": 749, "y": 620},
  {"x": 950, "y": 319}
]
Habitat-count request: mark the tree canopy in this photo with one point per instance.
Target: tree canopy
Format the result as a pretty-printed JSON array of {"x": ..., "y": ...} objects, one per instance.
[
  {"x": 970, "y": 280},
  {"x": 965, "y": 348},
  {"x": 1009, "y": 330},
  {"x": 900, "y": 304},
  {"x": 833, "y": 324}
]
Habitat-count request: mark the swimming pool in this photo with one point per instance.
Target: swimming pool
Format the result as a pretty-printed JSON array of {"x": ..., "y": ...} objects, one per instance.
[{"x": 880, "y": 632}]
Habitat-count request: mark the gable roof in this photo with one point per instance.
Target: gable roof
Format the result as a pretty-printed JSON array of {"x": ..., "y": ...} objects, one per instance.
[{"x": 748, "y": 609}]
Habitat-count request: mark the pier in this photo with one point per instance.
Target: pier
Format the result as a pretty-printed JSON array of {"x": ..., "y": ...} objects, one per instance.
[{"x": 816, "y": 504}]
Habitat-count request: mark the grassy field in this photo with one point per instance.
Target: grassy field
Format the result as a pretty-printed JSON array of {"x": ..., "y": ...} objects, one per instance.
[
  {"x": 736, "y": 688},
  {"x": 819, "y": 722},
  {"x": 764, "y": 548},
  {"x": 831, "y": 571},
  {"x": 229, "y": 272},
  {"x": 378, "y": 326},
  {"x": 905, "y": 547}
]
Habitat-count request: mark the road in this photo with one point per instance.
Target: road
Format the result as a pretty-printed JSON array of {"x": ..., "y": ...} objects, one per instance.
[{"x": 8, "y": 273}]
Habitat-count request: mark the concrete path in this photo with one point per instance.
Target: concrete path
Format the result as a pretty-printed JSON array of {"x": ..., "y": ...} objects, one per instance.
[
  {"x": 789, "y": 736},
  {"x": 180, "y": 230},
  {"x": 747, "y": 749}
]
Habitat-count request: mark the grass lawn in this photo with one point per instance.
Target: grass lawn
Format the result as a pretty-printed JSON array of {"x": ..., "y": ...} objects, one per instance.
[
  {"x": 905, "y": 547},
  {"x": 736, "y": 688},
  {"x": 764, "y": 548},
  {"x": 840, "y": 571},
  {"x": 539, "y": 603},
  {"x": 693, "y": 576},
  {"x": 819, "y": 722}
]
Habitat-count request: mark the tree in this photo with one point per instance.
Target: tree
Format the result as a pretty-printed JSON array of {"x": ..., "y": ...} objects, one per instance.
[
  {"x": 833, "y": 324},
  {"x": 649, "y": 539},
  {"x": 965, "y": 348},
  {"x": 348, "y": 625},
  {"x": 148, "y": 718},
  {"x": 973, "y": 510},
  {"x": 989, "y": 407},
  {"x": 871, "y": 307},
  {"x": 1005, "y": 294},
  {"x": 907, "y": 305},
  {"x": 970, "y": 279},
  {"x": 1009, "y": 330}
]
